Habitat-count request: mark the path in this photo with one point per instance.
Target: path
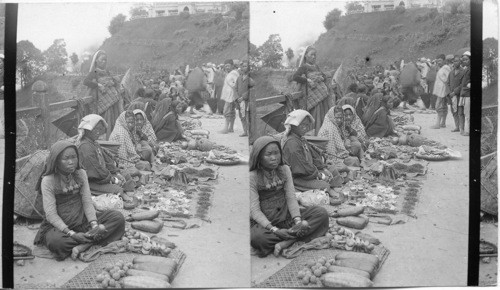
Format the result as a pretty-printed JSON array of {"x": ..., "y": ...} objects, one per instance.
[
  {"x": 217, "y": 252},
  {"x": 432, "y": 249}
]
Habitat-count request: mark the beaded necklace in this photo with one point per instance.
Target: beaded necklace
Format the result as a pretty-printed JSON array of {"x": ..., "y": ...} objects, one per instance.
[
  {"x": 271, "y": 179},
  {"x": 68, "y": 183}
]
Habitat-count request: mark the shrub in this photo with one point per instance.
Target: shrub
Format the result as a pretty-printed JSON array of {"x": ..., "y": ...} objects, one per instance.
[
  {"x": 400, "y": 10},
  {"x": 180, "y": 32},
  {"x": 75, "y": 83},
  {"x": 395, "y": 27},
  {"x": 184, "y": 15},
  {"x": 433, "y": 13}
]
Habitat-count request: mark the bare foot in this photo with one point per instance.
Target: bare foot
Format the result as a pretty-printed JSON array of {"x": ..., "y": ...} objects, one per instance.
[
  {"x": 279, "y": 247},
  {"x": 75, "y": 252}
]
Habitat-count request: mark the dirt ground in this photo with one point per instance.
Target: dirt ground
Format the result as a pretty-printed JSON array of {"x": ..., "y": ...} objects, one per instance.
[
  {"x": 437, "y": 239},
  {"x": 218, "y": 253}
]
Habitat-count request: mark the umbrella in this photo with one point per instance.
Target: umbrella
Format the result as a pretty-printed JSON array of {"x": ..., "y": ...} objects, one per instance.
[
  {"x": 68, "y": 123},
  {"x": 276, "y": 119}
]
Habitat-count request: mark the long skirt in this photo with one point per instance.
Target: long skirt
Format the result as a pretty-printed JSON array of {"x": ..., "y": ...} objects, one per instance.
[
  {"x": 110, "y": 115},
  {"x": 61, "y": 245},
  {"x": 318, "y": 113},
  {"x": 263, "y": 240}
]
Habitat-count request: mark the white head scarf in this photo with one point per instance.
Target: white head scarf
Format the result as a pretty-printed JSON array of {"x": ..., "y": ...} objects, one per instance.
[
  {"x": 88, "y": 123},
  {"x": 94, "y": 59},
  {"x": 295, "y": 118},
  {"x": 303, "y": 57}
]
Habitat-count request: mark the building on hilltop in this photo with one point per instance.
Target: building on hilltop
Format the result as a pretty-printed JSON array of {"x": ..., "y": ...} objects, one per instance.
[
  {"x": 383, "y": 5},
  {"x": 160, "y": 9}
]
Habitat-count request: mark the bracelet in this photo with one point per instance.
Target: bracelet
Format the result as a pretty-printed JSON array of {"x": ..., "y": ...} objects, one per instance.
[
  {"x": 274, "y": 229},
  {"x": 71, "y": 233},
  {"x": 297, "y": 219}
]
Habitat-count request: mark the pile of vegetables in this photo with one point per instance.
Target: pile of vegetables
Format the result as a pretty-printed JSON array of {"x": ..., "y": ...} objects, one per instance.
[
  {"x": 345, "y": 270},
  {"x": 142, "y": 272},
  {"x": 345, "y": 239},
  {"x": 145, "y": 221},
  {"x": 141, "y": 243}
]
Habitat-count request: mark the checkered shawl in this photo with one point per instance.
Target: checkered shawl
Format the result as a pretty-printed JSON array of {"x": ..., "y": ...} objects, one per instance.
[
  {"x": 335, "y": 148},
  {"x": 355, "y": 125},
  {"x": 108, "y": 95},
  {"x": 123, "y": 136},
  {"x": 317, "y": 93},
  {"x": 147, "y": 129}
]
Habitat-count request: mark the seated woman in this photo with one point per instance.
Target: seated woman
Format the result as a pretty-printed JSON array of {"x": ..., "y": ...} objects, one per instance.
[
  {"x": 102, "y": 171},
  {"x": 146, "y": 138},
  {"x": 354, "y": 133},
  {"x": 273, "y": 206},
  {"x": 376, "y": 118},
  {"x": 166, "y": 121},
  {"x": 70, "y": 218},
  {"x": 309, "y": 171},
  {"x": 123, "y": 133}
]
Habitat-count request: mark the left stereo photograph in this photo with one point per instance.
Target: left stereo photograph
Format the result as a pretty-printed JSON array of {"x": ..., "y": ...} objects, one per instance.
[{"x": 130, "y": 168}]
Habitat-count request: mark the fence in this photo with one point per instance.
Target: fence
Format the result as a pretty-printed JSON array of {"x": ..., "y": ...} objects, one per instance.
[{"x": 42, "y": 111}]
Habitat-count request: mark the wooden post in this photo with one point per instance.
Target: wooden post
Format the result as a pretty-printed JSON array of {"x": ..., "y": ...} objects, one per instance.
[{"x": 40, "y": 100}]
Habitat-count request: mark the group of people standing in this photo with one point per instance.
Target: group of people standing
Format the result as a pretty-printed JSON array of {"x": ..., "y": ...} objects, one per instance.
[{"x": 452, "y": 88}]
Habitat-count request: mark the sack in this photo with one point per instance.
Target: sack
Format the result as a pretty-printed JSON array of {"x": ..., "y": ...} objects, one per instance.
[
  {"x": 27, "y": 201},
  {"x": 409, "y": 76},
  {"x": 196, "y": 80},
  {"x": 107, "y": 201},
  {"x": 313, "y": 197},
  {"x": 354, "y": 222}
]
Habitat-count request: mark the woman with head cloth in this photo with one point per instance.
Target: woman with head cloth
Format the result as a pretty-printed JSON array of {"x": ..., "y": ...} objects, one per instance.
[
  {"x": 309, "y": 170},
  {"x": 70, "y": 218},
  {"x": 316, "y": 95},
  {"x": 123, "y": 133},
  {"x": 355, "y": 138},
  {"x": 273, "y": 206},
  {"x": 145, "y": 137},
  {"x": 102, "y": 171},
  {"x": 166, "y": 121},
  {"x": 376, "y": 118},
  {"x": 332, "y": 130},
  {"x": 105, "y": 89}
]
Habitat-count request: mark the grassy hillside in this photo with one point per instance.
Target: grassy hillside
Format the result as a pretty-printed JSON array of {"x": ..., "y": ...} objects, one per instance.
[
  {"x": 389, "y": 36},
  {"x": 168, "y": 42}
]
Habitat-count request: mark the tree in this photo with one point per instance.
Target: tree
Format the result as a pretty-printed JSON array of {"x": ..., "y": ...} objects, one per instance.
[
  {"x": 271, "y": 51},
  {"x": 56, "y": 56},
  {"x": 490, "y": 60},
  {"x": 332, "y": 18},
  {"x": 138, "y": 11},
  {"x": 239, "y": 8},
  {"x": 289, "y": 55},
  {"x": 353, "y": 6},
  {"x": 116, "y": 23},
  {"x": 29, "y": 62}
]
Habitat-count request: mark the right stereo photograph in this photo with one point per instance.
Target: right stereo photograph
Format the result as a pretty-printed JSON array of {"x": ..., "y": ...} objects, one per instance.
[{"x": 359, "y": 157}]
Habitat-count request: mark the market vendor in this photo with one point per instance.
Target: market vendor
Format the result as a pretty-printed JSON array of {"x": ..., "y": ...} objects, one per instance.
[
  {"x": 273, "y": 206},
  {"x": 355, "y": 138},
  {"x": 376, "y": 118},
  {"x": 146, "y": 138},
  {"x": 70, "y": 218},
  {"x": 309, "y": 170},
  {"x": 102, "y": 171},
  {"x": 166, "y": 121},
  {"x": 123, "y": 133}
]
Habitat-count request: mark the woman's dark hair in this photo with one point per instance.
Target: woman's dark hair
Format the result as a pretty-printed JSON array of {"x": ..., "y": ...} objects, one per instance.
[
  {"x": 139, "y": 93},
  {"x": 361, "y": 89},
  {"x": 129, "y": 114},
  {"x": 149, "y": 94},
  {"x": 338, "y": 110},
  {"x": 353, "y": 88}
]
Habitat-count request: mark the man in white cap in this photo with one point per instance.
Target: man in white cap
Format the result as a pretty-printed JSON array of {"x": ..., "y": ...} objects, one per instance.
[
  {"x": 465, "y": 92},
  {"x": 441, "y": 90}
]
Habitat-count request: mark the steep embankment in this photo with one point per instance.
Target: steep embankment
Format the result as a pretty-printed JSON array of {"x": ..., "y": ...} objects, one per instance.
[
  {"x": 389, "y": 36},
  {"x": 168, "y": 42}
]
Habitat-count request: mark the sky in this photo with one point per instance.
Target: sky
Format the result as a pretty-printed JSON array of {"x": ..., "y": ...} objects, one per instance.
[
  {"x": 490, "y": 19},
  {"x": 298, "y": 23},
  {"x": 81, "y": 25}
]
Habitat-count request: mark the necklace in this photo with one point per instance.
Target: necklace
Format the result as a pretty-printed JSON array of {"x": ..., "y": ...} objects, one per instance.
[
  {"x": 68, "y": 183},
  {"x": 271, "y": 179}
]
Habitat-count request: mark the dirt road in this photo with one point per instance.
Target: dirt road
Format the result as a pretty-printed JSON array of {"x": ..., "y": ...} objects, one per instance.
[
  {"x": 432, "y": 249},
  {"x": 217, "y": 252}
]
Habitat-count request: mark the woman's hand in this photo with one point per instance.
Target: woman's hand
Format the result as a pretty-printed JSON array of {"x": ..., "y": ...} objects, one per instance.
[
  {"x": 101, "y": 86},
  {"x": 283, "y": 234},
  {"x": 80, "y": 238}
]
